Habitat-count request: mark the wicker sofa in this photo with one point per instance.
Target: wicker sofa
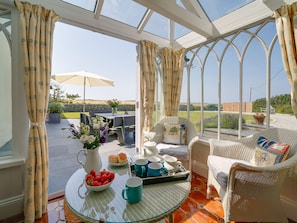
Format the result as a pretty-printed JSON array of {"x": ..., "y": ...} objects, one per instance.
[
  {"x": 249, "y": 193},
  {"x": 182, "y": 152}
]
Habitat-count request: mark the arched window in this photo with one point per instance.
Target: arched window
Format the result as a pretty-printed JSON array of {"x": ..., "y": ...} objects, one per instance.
[{"x": 231, "y": 79}]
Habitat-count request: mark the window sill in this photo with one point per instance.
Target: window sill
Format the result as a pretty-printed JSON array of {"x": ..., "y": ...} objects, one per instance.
[{"x": 12, "y": 162}]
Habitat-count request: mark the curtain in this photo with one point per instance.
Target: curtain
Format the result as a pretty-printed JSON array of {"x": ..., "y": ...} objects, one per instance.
[
  {"x": 172, "y": 69},
  {"x": 286, "y": 26},
  {"x": 148, "y": 52},
  {"x": 36, "y": 36}
]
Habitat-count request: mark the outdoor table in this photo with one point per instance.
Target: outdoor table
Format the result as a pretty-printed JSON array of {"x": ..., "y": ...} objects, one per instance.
[
  {"x": 110, "y": 117},
  {"x": 119, "y": 122},
  {"x": 158, "y": 200}
]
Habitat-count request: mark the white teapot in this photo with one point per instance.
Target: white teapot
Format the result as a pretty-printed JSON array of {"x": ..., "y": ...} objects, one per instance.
[{"x": 150, "y": 149}]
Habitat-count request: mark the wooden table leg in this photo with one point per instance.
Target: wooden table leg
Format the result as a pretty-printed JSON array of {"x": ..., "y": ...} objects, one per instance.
[{"x": 170, "y": 218}]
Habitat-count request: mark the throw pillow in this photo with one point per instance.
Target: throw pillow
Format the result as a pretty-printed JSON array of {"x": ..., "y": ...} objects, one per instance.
[
  {"x": 269, "y": 152},
  {"x": 174, "y": 134}
]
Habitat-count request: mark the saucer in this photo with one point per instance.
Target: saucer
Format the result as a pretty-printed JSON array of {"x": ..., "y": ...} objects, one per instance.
[{"x": 169, "y": 167}]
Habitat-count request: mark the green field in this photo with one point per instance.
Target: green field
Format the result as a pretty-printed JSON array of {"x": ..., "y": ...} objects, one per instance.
[{"x": 195, "y": 117}]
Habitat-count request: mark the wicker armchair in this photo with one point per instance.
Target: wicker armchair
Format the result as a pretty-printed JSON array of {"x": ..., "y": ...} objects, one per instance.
[
  {"x": 182, "y": 152},
  {"x": 251, "y": 194}
]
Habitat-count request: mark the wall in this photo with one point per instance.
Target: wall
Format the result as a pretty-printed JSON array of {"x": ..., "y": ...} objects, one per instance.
[
  {"x": 12, "y": 167},
  {"x": 234, "y": 106}
]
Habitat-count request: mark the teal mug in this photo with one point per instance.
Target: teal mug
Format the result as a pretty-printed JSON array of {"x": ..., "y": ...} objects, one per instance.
[
  {"x": 140, "y": 167},
  {"x": 133, "y": 190},
  {"x": 156, "y": 169}
]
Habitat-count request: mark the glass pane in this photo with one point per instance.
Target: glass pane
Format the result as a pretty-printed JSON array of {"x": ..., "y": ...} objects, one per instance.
[
  {"x": 180, "y": 31},
  {"x": 5, "y": 86},
  {"x": 85, "y": 4},
  {"x": 280, "y": 87},
  {"x": 126, "y": 11},
  {"x": 216, "y": 8},
  {"x": 163, "y": 27}
]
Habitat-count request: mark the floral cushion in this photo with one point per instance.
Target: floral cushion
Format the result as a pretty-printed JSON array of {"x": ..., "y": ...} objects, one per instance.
[
  {"x": 174, "y": 134},
  {"x": 269, "y": 152}
]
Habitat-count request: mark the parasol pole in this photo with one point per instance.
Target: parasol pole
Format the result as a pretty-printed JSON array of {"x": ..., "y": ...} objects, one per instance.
[{"x": 84, "y": 93}]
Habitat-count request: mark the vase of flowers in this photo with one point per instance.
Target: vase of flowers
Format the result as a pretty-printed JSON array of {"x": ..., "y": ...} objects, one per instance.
[
  {"x": 91, "y": 142},
  {"x": 114, "y": 103}
]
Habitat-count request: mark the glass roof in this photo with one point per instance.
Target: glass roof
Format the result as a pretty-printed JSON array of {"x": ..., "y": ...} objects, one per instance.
[
  {"x": 132, "y": 13},
  {"x": 176, "y": 23},
  {"x": 216, "y": 8},
  {"x": 126, "y": 11},
  {"x": 89, "y": 5}
]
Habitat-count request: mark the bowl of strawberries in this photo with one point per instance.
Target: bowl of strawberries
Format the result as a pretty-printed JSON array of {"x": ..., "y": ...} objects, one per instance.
[{"x": 99, "y": 181}]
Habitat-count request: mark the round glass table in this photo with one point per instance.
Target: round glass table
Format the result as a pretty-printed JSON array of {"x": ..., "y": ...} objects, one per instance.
[{"x": 158, "y": 200}]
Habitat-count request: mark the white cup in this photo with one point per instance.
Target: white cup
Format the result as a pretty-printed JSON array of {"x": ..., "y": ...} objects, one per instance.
[
  {"x": 171, "y": 160},
  {"x": 171, "y": 163}
]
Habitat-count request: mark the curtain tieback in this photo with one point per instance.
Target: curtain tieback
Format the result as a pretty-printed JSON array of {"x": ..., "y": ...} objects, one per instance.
[{"x": 33, "y": 124}]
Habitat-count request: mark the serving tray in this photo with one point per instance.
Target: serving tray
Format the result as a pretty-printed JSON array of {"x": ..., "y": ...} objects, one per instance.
[{"x": 182, "y": 174}]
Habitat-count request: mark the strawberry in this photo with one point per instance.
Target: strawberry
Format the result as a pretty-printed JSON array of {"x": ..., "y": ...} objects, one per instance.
[
  {"x": 89, "y": 176},
  {"x": 111, "y": 176},
  {"x": 97, "y": 178},
  {"x": 93, "y": 172},
  {"x": 90, "y": 182},
  {"x": 105, "y": 182},
  {"x": 96, "y": 183},
  {"x": 104, "y": 177}
]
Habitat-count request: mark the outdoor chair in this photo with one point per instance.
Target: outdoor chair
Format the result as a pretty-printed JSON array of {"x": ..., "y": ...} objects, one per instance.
[
  {"x": 83, "y": 118},
  {"x": 247, "y": 176},
  {"x": 173, "y": 136},
  {"x": 129, "y": 112},
  {"x": 117, "y": 127},
  {"x": 129, "y": 124}
]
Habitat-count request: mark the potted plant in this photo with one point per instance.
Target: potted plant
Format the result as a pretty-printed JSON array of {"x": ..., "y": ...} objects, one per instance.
[
  {"x": 54, "y": 112},
  {"x": 259, "y": 118}
]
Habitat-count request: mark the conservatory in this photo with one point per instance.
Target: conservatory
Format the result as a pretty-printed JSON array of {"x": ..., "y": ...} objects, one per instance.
[{"x": 225, "y": 58}]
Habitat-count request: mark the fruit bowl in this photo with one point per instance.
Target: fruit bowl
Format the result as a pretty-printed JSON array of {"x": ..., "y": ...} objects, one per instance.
[
  {"x": 98, "y": 181},
  {"x": 98, "y": 188}
]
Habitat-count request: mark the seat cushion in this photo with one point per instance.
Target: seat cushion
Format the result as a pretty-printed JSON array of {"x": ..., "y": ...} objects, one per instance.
[
  {"x": 179, "y": 151},
  {"x": 174, "y": 134},
  {"x": 220, "y": 167},
  {"x": 269, "y": 152}
]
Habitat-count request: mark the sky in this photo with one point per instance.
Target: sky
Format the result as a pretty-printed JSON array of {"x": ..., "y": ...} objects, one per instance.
[{"x": 76, "y": 49}]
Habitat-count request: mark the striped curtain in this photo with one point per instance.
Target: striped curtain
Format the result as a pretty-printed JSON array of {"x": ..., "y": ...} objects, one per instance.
[
  {"x": 148, "y": 53},
  {"x": 36, "y": 36},
  {"x": 286, "y": 26},
  {"x": 172, "y": 70}
]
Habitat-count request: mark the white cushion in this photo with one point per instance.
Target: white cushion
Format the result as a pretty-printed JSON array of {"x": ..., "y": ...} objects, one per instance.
[
  {"x": 174, "y": 133},
  {"x": 179, "y": 151},
  {"x": 269, "y": 152},
  {"x": 220, "y": 167}
]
